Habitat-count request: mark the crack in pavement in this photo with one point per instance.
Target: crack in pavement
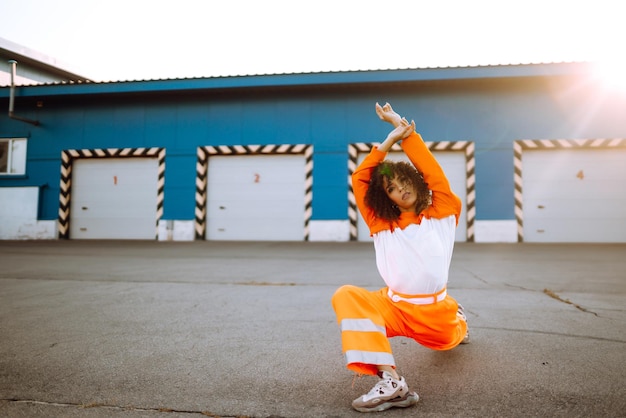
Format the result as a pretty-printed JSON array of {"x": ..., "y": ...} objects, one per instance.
[
  {"x": 515, "y": 286},
  {"x": 120, "y": 408},
  {"x": 589, "y": 337},
  {"x": 553, "y": 295},
  {"x": 475, "y": 276},
  {"x": 170, "y": 282}
]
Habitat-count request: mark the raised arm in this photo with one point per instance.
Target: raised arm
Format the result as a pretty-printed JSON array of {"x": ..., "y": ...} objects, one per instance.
[
  {"x": 401, "y": 131},
  {"x": 361, "y": 180},
  {"x": 445, "y": 202},
  {"x": 363, "y": 173}
]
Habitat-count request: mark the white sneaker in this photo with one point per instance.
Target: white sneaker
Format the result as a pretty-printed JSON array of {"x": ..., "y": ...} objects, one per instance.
[{"x": 387, "y": 393}]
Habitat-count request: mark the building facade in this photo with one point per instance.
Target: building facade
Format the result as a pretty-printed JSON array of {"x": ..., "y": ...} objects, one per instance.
[{"x": 536, "y": 152}]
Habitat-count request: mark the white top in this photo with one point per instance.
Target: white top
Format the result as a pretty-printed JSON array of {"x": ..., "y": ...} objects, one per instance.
[{"x": 416, "y": 260}]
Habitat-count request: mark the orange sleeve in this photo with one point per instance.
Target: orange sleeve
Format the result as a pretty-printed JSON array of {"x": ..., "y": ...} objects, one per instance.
[
  {"x": 445, "y": 202},
  {"x": 360, "y": 183}
]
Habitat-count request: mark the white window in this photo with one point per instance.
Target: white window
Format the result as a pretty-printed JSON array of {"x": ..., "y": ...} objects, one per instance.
[{"x": 12, "y": 156}]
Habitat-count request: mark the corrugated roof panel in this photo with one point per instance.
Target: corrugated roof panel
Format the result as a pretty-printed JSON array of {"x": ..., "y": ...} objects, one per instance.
[{"x": 79, "y": 87}]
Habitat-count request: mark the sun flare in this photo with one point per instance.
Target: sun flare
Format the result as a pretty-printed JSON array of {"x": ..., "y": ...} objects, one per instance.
[{"x": 612, "y": 74}]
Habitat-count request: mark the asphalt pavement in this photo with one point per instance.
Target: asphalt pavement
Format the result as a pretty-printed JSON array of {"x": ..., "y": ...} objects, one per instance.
[{"x": 130, "y": 329}]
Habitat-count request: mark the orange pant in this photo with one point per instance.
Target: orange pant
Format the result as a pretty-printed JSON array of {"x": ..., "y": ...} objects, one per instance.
[{"x": 368, "y": 318}]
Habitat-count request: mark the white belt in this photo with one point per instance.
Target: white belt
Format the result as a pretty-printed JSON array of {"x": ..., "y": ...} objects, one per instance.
[{"x": 419, "y": 300}]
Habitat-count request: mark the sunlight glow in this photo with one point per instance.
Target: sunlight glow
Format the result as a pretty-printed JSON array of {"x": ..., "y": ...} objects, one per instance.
[{"x": 612, "y": 74}]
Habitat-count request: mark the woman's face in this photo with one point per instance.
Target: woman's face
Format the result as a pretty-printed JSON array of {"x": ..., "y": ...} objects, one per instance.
[{"x": 401, "y": 192}]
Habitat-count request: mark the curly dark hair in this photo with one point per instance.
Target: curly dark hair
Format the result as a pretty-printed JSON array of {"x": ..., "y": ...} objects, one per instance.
[{"x": 376, "y": 196}]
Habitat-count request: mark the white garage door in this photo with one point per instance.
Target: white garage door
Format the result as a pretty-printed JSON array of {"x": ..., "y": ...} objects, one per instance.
[
  {"x": 453, "y": 164},
  {"x": 114, "y": 198},
  {"x": 256, "y": 197},
  {"x": 574, "y": 195}
]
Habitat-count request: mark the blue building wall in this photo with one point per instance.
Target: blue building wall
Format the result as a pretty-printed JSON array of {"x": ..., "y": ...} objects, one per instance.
[{"x": 491, "y": 112}]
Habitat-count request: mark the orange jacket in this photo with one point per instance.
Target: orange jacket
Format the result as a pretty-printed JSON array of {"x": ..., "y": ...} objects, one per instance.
[{"x": 444, "y": 201}]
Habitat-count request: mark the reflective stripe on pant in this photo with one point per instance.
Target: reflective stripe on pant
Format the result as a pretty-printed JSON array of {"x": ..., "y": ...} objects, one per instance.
[{"x": 367, "y": 318}]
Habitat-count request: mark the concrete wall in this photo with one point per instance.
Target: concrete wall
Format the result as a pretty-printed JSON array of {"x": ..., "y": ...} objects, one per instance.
[{"x": 18, "y": 215}]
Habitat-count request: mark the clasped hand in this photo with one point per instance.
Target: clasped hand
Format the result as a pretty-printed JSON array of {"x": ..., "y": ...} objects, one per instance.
[{"x": 402, "y": 127}]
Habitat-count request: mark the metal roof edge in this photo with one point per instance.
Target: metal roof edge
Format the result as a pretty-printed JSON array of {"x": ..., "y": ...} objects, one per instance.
[{"x": 301, "y": 79}]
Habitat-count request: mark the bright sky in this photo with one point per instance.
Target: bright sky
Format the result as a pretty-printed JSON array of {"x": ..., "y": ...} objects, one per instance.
[{"x": 145, "y": 39}]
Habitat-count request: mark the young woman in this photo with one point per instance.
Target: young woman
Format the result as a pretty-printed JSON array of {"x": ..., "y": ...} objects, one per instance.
[{"x": 412, "y": 215}]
